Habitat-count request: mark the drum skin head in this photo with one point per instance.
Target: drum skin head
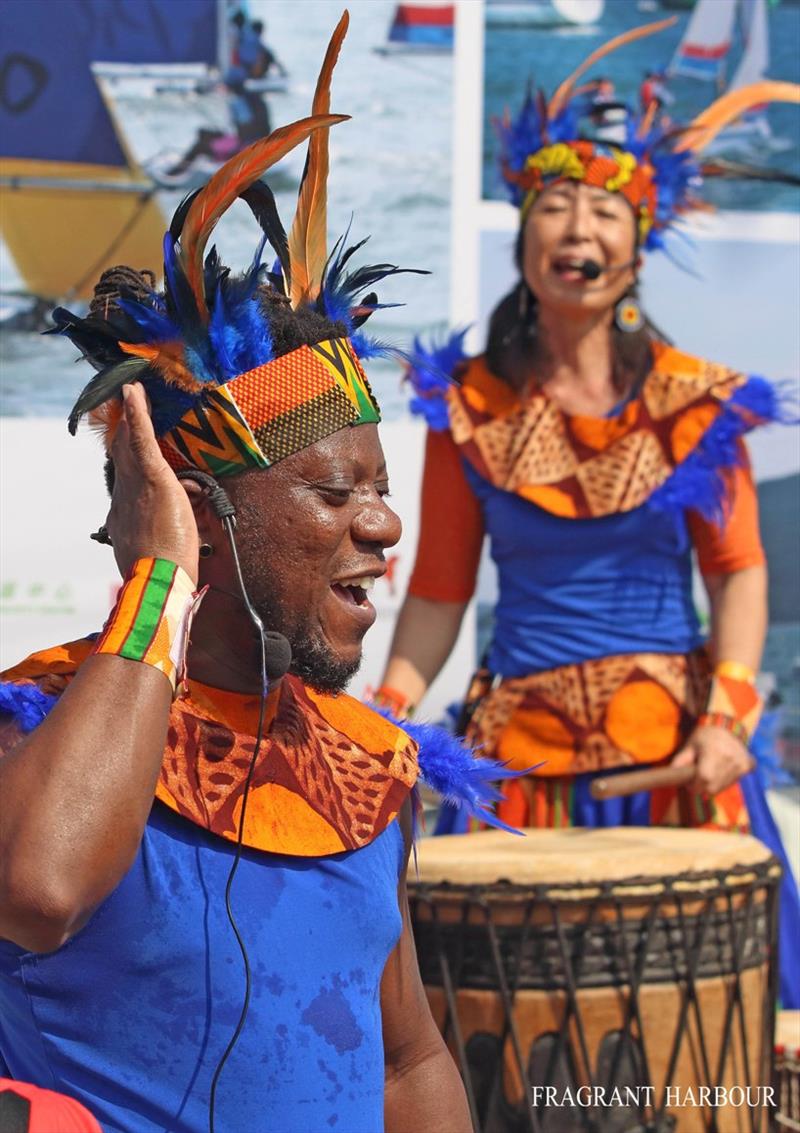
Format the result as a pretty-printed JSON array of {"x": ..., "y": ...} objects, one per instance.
[{"x": 582, "y": 856}]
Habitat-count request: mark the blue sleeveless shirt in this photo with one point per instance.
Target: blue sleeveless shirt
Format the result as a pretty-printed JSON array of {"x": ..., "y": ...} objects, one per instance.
[{"x": 132, "y": 1015}]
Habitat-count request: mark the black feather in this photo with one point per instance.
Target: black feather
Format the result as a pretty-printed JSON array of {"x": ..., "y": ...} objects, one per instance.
[
  {"x": 261, "y": 202},
  {"x": 364, "y": 306},
  {"x": 105, "y": 385},
  {"x": 179, "y": 216},
  {"x": 97, "y": 341}
]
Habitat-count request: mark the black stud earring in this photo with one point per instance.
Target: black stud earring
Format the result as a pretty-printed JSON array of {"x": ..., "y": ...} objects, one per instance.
[
  {"x": 101, "y": 536},
  {"x": 205, "y": 550}
]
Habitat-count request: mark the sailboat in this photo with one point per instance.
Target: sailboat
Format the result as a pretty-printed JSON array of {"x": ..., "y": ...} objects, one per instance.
[
  {"x": 704, "y": 54},
  {"x": 703, "y": 51},
  {"x": 75, "y": 201},
  {"x": 420, "y": 28}
]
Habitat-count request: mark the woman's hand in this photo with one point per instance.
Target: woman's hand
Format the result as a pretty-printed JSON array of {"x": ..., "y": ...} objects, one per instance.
[
  {"x": 719, "y": 758},
  {"x": 150, "y": 511}
]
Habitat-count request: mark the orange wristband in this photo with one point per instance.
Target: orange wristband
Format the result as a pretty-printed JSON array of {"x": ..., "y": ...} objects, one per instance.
[{"x": 391, "y": 698}]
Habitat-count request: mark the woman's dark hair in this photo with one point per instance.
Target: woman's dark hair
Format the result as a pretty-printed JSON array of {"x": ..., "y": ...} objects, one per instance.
[{"x": 511, "y": 341}]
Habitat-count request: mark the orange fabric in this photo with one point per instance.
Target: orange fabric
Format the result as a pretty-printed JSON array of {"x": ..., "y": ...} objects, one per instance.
[
  {"x": 737, "y": 543},
  {"x": 451, "y": 527},
  {"x": 586, "y": 467},
  {"x": 548, "y": 804},
  {"x": 51, "y": 1112},
  {"x": 607, "y": 712},
  {"x": 330, "y": 776}
]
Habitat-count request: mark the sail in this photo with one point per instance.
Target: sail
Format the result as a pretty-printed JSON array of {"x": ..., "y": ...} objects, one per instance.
[
  {"x": 706, "y": 42},
  {"x": 429, "y": 25},
  {"x": 755, "y": 58},
  {"x": 74, "y": 200}
]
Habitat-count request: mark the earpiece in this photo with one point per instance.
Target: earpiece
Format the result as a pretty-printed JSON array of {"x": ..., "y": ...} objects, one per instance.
[{"x": 218, "y": 497}]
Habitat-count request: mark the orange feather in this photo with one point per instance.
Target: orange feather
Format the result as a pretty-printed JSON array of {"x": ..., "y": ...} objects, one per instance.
[
  {"x": 225, "y": 186},
  {"x": 308, "y": 236},
  {"x": 730, "y": 106},
  {"x": 168, "y": 359},
  {"x": 562, "y": 95},
  {"x": 104, "y": 421}
]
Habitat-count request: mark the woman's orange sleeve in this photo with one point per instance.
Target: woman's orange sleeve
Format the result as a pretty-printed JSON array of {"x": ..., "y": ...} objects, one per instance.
[
  {"x": 451, "y": 527},
  {"x": 736, "y": 543}
]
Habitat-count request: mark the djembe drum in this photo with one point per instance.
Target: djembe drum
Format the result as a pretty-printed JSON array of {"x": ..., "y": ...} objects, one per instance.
[
  {"x": 634, "y": 961},
  {"x": 787, "y": 1070}
]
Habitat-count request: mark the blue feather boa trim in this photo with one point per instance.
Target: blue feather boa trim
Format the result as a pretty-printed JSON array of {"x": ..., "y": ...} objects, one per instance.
[
  {"x": 430, "y": 376},
  {"x": 455, "y": 772},
  {"x": 26, "y": 703},
  {"x": 698, "y": 482}
]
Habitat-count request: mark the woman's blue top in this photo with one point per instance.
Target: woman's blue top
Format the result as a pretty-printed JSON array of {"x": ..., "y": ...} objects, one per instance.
[
  {"x": 133, "y": 1014},
  {"x": 572, "y": 590}
]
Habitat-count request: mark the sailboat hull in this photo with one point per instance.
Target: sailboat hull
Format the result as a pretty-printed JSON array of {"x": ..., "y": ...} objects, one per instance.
[{"x": 62, "y": 235}]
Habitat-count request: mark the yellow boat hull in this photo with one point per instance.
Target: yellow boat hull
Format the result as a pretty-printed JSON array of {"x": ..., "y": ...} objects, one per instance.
[{"x": 63, "y": 236}]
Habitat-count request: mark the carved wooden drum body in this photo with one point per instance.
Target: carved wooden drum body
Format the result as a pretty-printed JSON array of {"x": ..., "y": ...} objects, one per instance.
[{"x": 620, "y": 980}]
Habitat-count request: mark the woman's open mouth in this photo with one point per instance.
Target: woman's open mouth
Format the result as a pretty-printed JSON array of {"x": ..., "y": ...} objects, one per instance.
[{"x": 570, "y": 269}]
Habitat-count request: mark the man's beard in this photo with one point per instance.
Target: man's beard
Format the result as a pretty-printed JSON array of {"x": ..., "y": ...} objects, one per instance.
[{"x": 313, "y": 661}]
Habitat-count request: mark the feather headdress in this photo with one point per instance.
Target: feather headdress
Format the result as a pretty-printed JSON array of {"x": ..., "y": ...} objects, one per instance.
[
  {"x": 658, "y": 168},
  {"x": 223, "y": 397}
]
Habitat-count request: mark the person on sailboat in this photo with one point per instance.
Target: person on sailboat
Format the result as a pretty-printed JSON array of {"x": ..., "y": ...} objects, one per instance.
[
  {"x": 654, "y": 91},
  {"x": 598, "y": 459},
  {"x": 250, "y": 120},
  {"x": 250, "y": 56}
]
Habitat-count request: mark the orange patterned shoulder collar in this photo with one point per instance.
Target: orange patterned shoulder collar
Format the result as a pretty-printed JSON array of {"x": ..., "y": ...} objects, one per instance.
[
  {"x": 331, "y": 774},
  {"x": 588, "y": 467}
]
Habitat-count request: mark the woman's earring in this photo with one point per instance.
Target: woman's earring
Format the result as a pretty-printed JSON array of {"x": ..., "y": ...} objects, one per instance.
[
  {"x": 526, "y": 311},
  {"x": 628, "y": 315},
  {"x": 205, "y": 550}
]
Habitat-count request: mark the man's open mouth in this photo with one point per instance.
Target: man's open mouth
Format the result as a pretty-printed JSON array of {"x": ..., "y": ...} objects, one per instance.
[{"x": 354, "y": 590}]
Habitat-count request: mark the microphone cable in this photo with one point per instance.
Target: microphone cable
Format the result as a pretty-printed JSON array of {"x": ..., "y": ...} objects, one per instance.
[{"x": 226, "y": 513}]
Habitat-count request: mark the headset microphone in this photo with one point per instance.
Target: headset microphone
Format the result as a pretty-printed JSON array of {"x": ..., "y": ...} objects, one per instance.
[
  {"x": 277, "y": 650},
  {"x": 590, "y": 269}
]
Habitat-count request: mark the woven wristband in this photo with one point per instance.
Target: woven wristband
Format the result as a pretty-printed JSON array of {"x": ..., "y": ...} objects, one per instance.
[
  {"x": 733, "y": 704},
  {"x": 151, "y": 619},
  {"x": 397, "y": 702}
]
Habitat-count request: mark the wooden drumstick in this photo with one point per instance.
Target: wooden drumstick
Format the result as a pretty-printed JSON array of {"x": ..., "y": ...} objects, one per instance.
[{"x": 629, "y": 782}]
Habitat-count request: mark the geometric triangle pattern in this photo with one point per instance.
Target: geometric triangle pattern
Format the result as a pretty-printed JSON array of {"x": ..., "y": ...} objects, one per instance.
[
  {"x": 273, "y": 411},
  {"x": 617, "y": 711},
  {"x": 583, "y": 467}
]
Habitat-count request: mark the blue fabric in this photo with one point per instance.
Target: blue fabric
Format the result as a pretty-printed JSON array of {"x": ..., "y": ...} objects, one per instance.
[
  {"x": 132, "y": 1015},
  {"x": 762, "y": 826},
  {"x": 571, "y": 590}
]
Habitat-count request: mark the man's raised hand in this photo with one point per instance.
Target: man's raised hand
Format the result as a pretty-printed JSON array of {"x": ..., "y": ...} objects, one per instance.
[{"x": 150, "y": 511}]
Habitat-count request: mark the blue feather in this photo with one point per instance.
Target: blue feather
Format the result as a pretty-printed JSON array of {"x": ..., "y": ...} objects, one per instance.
[
  {"x": 430, "y": 375},
  {"x": 26, "y": 703},
  {"x": 454, "y": 771},
  {"x": 698, "y": 483}
]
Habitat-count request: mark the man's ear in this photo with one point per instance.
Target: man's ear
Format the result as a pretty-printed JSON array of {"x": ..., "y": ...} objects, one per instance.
[{"x": 209, "y": 527}]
